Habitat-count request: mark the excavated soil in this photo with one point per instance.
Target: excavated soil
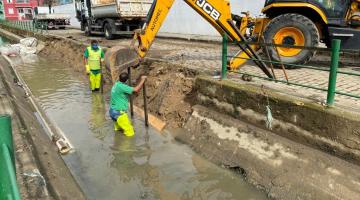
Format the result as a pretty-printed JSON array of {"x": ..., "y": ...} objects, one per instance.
[
  {"x": 170, "y": 92},
  {"x": 64, "y": 52}
]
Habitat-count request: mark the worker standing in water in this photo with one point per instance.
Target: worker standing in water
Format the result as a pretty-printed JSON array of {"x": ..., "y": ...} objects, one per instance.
[
  {"x": 119, "y": 103},
  {"x": 94, "y": 58}
]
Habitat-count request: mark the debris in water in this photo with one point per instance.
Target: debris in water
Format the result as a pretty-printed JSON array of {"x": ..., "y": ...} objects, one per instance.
[{"x": 269, "y": 118}]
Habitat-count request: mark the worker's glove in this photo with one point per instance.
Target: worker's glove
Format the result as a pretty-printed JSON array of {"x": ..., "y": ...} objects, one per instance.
[{"x": 87, "y": 69}]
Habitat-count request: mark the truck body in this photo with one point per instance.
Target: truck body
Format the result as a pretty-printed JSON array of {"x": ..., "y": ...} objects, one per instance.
[
  {"x": 112, "y": 17},
  {"x": 44, "y": 19}
]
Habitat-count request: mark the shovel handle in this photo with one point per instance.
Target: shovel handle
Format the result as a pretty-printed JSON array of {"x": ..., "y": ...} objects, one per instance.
[
  {"x": 130, "y": 96},
  {"x": 145, "y": 106}
]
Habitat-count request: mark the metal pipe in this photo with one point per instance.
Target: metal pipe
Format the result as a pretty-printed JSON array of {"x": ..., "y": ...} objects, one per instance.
[
  {"x": 333, "y": 72},
  {"x": 130, "y": 96},
  {"x": 282, "y": 81},
  {"x": 281, "y": 63},
  {"x": 145, "y": 106},
  {"x": 268, "y": 56},
  {"x": 224, "y": 57},
  {"x": 6, "y": 134},
  {"x": 261, "y": 64},
  {"x": 7, "y": 160},
  {"x": 8, "y": 175}
]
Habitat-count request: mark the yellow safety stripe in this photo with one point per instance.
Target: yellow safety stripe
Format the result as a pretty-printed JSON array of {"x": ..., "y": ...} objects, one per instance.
[{"x": 279, "y": 5}]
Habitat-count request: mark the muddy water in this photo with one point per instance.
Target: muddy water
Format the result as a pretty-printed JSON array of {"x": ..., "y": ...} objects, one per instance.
[{"x": 109, "y": 166}]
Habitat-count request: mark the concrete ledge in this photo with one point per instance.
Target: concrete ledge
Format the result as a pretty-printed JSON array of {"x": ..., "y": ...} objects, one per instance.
[
  {"x": 10, "y": 35},
  {"x": 282, "y": 168},
  {"x": 329, "y": 129}
]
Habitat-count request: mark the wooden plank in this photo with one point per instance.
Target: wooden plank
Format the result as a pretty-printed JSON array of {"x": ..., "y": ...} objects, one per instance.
[{"x": 155, "y": 122}]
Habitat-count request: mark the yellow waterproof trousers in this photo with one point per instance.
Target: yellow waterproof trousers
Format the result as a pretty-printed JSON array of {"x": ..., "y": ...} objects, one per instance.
[
  {"x": 95, "y": 81},
  {"x": 123, "y": 123}
]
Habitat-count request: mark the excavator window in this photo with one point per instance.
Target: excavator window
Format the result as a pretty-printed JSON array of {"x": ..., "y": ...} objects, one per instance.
[{"x": 335, "y": 8}]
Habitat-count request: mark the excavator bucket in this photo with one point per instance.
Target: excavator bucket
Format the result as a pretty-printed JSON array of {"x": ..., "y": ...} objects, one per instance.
[{"x": 118, "y": 59}]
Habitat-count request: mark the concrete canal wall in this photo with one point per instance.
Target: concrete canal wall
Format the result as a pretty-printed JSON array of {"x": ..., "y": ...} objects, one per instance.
[
  {"x": 41, "y": 172},
  {"x": 332, "y": 130}
]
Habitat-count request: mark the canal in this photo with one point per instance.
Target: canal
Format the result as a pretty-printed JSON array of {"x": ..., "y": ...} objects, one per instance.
[{"x": 106, "y": 164}]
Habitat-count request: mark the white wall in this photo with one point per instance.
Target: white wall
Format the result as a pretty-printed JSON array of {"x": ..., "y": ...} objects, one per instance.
[{"x": 182, "y": 19}]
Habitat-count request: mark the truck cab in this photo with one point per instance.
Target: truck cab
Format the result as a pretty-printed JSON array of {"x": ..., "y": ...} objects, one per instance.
[{"x": 111, "y": 17}]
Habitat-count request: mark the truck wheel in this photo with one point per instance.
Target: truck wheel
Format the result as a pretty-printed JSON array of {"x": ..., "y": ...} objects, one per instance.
[
  {"x": 292, "y": 29},
  {"x": 108, "y": 32},
  {"x": 87, "y": 29},
  {"x": 82, "y": 25}
]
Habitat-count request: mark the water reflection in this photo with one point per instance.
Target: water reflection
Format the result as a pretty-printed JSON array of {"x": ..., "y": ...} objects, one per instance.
[{"x": 97, "y": 118}]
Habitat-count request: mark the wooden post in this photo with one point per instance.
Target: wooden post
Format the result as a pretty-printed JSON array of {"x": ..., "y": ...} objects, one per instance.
[
  {"x": 145, "y": 106},
  {"x": 130, "y": 97}
]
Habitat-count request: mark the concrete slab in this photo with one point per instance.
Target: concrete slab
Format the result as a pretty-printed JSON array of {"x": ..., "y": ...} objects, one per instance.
[{"x": 284, "y": 169}]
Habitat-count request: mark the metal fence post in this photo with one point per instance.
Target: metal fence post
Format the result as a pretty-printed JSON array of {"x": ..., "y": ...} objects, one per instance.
[
  {"x": 224, "y": 57},
  {"x": 335, "y": 55},
  {"x": 6, "y": 134},
  {"x": 8, "y": 185}
]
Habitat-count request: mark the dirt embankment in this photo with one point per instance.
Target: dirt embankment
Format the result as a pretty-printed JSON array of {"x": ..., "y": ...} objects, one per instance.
[
  {"x": 64, "y": 52},
  {"x": 170, "y": 93}
]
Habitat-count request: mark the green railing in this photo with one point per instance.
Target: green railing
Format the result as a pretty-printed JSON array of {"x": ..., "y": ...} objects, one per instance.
[
  {"x": 8, "y": 185},
  {"x": 27, "y": 25},
  {"x": 333, "y": 70}
]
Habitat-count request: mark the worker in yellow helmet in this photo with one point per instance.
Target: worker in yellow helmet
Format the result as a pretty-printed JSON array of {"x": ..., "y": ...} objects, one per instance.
[
  {"x": 94, "y": 58},
  {"x": 119, "y": 103}
]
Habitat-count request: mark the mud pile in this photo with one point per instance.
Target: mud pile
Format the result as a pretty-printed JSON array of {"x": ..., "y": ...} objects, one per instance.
[
  {"x": 64, "y": 52},
  {"x": 170, "y": 92}
]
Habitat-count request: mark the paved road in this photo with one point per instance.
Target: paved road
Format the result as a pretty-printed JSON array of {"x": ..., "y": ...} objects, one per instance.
[{"x": 206, "y": 56}]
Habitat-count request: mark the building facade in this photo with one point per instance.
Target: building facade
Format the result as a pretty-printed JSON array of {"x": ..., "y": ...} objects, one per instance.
[{"x": 20, "y": 9}]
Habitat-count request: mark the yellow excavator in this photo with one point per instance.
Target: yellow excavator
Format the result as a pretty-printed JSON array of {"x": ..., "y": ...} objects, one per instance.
[
  {"x": 303, "y": 23},
  {"x": 287, "y": 22}
]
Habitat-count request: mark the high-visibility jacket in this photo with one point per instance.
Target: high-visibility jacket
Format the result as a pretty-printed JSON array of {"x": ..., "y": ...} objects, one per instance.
[{"x": 94, "y": 58}]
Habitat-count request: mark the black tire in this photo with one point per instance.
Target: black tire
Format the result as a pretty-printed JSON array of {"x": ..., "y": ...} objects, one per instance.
[
  {"x": 87, "y": 29},
  {"x": 301, "y": 23},
  {"x": 108, "y": 31},
  {"x": 82, "y": 26}
]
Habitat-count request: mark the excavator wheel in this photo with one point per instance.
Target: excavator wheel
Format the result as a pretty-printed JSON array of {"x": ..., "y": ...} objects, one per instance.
[{"x": 291, "y": 29}]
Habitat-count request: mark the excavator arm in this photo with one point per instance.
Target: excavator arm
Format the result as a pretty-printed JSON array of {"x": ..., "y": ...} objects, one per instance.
[{"x": 216, "y": 12}]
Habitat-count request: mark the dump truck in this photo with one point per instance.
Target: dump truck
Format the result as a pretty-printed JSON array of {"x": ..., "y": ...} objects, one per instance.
[
  {"x": 111, "y": 17},
  {"x": 45, "y": 20}
]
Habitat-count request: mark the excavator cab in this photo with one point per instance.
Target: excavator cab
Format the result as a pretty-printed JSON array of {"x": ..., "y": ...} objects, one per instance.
[
  {"x": 309, "y": 22},
  {"x": 332, "y": 10}
]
